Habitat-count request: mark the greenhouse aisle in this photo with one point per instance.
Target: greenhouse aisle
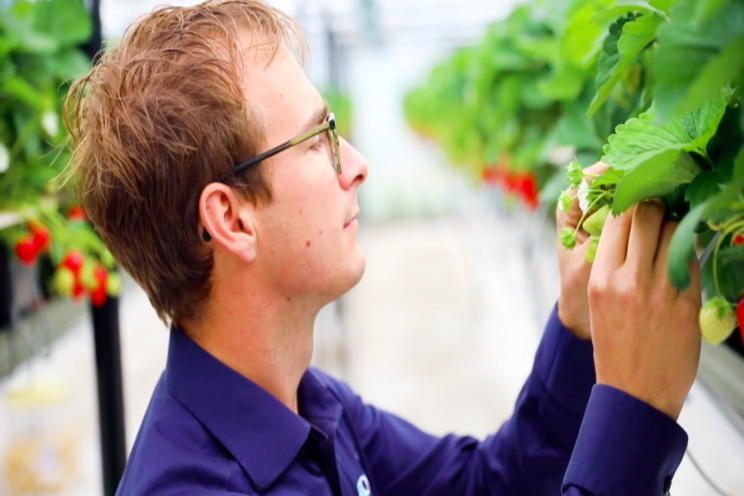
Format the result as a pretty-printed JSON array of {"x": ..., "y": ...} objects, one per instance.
[{"x": 441, "y": 330}]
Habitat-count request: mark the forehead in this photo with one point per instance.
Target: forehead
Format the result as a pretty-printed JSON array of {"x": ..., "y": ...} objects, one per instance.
[{"x": 276, "y": 85}]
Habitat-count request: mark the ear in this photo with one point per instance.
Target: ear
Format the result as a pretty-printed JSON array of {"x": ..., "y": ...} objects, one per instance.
[{"x": 228, "y": 220}]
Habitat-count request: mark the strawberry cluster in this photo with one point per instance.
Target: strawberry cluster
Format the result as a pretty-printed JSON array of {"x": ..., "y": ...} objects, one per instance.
[
  {"x": 77, "y": 272},
  {"x": 520, "y": 184}
]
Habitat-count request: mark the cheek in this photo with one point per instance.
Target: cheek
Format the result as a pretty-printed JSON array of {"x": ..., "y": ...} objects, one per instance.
[{"x": 302, "y": 235}]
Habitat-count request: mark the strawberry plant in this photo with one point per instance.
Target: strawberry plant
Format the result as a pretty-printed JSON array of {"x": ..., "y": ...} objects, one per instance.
[
  {"x": 39, "y": 55},
  {"x": 651, "y": 87}
]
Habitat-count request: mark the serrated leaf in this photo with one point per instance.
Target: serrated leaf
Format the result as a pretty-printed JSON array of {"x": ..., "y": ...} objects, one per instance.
[
  {"x": 641, "y": 139},
  {"x": 627, "y": 39},
  {"x": 622, "y": 7},
  {"x": 654, "y": 178},
  {"x": 686, "y": 46}
]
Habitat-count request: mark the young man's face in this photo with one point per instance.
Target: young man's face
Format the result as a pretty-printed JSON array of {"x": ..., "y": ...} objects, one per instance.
[{"x": 307, "y": 235}]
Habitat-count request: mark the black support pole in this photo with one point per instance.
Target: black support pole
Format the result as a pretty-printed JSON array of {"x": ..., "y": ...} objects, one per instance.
[
  {"x": 110, "y": 392},
  {"x": 107, "y": 345}
]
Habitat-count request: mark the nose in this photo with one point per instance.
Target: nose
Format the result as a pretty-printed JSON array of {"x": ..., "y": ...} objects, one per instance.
[{"x": 355, "y": 168}]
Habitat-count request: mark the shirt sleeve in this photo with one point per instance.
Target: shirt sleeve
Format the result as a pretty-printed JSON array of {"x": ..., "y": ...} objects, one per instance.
[{"x": 530, "y": 453}]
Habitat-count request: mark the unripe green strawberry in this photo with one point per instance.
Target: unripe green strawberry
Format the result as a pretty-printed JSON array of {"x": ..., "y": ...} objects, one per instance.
[
  {"x": 591, "y": 250},
  {"x": 594, "y": 224},
  {"x": 63, "y": 281},
  {"x": 717, "y": 320},
  {"x": 87, "y": 276},
  {"x": 113, "y": 284}
]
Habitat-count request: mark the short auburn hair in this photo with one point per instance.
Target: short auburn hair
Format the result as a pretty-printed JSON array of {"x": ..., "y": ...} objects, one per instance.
[{"x": 160, "y": 116}]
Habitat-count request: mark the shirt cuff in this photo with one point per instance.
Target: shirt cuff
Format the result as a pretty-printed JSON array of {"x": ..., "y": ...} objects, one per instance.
[
  {"x": 565, "y": 365},
  {"x": 625, "y": 446}
]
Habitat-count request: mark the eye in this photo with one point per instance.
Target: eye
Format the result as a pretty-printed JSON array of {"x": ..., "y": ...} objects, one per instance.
[{"x": 318, "y": 143}]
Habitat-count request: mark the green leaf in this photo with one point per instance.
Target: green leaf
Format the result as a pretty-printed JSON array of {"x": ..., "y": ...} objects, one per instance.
[
  {"x": 640, "y": 139},
  {"x": 654, "y": 178},
  {"x": 581, "y": 36},
  {"x": 564, "y": 84},
  {"x": 720, "y": 70},
  {"x": 730, "y": 265},
  {"x": 686, "y": 46},
  {"x": 705, "y": 185},
  {"x": 662, "y": 5},
  {"x": 681, "y": 249},
  {"x": 706, "y": 8},
  {"x": 67, "y": 21},
  {"x": 17, "y": 87},
  {"x": 627, "y": 39},
  {"x": 622, "y": 7},
  {"x": 610, "y": 177}
]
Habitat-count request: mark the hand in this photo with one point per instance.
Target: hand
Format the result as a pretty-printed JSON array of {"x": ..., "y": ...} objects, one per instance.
[
  {"x": 573, "y": 303},
  {"x": 646, "y": 334}
]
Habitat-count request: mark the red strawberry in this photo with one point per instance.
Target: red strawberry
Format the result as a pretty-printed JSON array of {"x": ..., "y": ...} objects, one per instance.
[
  {"x": 738, "y": 239},
  {"x": 489, "y": 175},
  {"x": 25, "y": 250},
  {"x": 77, "y": 289},
  {"x": 73, "y": 260},
  {"x": 527, "y": 189},
  {"x": 100, "y": 274},
  {"x": 41, "y": 236},
  {"x": 98, "y": 297},
  {"x": 76, "y": 213}
]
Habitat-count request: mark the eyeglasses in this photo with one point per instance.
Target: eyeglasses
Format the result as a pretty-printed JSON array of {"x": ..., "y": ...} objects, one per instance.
[{"x": 329, "y": 125}]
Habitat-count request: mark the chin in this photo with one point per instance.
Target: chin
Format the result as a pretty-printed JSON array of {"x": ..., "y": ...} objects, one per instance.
[{"x": 350, "y": 277}]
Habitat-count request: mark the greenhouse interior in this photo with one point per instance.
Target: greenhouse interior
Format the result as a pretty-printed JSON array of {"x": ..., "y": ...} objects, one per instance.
[{"x": 528, "y": 263}]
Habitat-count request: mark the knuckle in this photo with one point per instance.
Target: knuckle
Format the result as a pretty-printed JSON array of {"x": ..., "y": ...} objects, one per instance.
[{"x": 597, "y": 289}]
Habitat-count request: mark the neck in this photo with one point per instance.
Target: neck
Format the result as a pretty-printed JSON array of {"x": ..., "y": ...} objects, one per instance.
[{"x": 267, "y": 340}]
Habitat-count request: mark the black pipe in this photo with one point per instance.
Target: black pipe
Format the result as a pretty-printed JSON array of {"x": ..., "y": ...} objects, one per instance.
[
  {"x": 93, "y": 47},
  {"x": 110, "y": 392},
  {"x": 107, "y": 344}
]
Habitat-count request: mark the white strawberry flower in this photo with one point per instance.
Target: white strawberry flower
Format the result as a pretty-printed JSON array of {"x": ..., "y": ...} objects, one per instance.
[
  {"x": 4, "y": 158},
  {"x": 50, "y": 123},
  {"x": 583, "y": 196}
]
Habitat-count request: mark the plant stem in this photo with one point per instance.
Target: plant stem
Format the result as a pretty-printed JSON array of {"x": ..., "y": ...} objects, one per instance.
[{"x": 589, "y": 208}]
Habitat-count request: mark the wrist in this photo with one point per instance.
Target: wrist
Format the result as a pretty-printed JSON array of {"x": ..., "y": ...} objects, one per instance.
[{"x": 568, "y": 320}]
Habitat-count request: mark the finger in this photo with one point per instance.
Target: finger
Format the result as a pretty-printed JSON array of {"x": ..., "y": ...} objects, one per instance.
[
  {"x": 661, "y": 257},
  {"x": 693, "y": 291},
  {"x": 597, "y": 168},
  {"x": 613, "y": 244},
  {"x": 645, "y": 235}
]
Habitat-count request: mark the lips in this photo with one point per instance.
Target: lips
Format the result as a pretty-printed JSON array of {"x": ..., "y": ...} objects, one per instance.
[{"x": 353, "y": 218}]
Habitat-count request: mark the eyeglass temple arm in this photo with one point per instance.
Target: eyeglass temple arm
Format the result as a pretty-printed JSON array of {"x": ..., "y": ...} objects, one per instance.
[{"x": 294, "y": 141}]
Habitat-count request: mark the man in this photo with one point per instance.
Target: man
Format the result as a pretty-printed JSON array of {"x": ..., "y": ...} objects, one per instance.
[{"x": 211, "y": 168}]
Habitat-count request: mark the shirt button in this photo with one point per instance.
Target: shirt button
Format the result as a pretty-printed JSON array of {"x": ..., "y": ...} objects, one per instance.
[{"x": 667, "y": 485}]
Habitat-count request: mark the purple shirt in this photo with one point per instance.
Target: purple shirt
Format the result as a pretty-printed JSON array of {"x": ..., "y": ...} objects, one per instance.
[{"x": 210, "y": 431}]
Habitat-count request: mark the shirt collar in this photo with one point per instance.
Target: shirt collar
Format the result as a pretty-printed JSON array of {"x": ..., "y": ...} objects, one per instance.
[{"x": 261, "y": 433}]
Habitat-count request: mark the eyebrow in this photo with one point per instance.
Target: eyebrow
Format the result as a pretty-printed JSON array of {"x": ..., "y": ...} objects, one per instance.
[{"x": 317, "y": 119}]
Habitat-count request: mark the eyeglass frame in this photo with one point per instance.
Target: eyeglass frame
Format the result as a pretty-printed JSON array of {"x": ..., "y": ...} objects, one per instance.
[{"x": 329, "y": 125}]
